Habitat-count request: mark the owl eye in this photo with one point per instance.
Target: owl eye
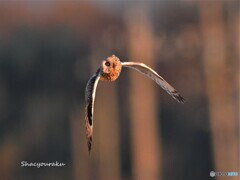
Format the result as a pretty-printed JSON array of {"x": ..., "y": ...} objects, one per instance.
[{"x": 107, "y": 63}]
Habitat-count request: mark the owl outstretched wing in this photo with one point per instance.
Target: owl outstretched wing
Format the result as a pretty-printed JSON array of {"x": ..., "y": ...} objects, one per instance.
[
  {"x": 90, "y": 93},
  {"x": 141, "y": 67}
]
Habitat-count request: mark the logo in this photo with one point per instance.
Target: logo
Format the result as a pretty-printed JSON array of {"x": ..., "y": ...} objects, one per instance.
[{"x": 213, "y": 173}]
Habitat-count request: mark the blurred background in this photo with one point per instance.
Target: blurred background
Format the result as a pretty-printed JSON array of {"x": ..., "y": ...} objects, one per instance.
[{"x": 49, "y": 50}]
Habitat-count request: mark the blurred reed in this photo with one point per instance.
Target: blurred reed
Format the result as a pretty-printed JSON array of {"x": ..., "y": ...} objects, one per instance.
[
  {"x": 222, "y": 106},
  {"x": 146, "y": 145}
]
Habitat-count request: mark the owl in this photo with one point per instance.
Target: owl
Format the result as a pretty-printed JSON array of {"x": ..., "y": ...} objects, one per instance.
[{"x": 110, "y": 70}]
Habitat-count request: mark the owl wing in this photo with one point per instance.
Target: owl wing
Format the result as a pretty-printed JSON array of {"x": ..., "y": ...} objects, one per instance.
[
  {"x": 140, "y": 67},
  {"x": 90, "y": 93}
]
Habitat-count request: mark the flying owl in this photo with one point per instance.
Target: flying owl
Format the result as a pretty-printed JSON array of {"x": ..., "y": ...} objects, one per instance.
[{"x": 110, "y": 70}]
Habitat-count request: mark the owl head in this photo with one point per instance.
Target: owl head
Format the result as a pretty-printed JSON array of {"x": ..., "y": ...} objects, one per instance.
[{"x": 111, "y": 68}]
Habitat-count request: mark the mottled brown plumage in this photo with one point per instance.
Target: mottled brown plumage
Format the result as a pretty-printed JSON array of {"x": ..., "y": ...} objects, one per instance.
[{"x": 110, "y": 70}]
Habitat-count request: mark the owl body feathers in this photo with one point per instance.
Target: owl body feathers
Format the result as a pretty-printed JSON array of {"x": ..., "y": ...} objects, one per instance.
[{"x": 110, "y": 69}]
